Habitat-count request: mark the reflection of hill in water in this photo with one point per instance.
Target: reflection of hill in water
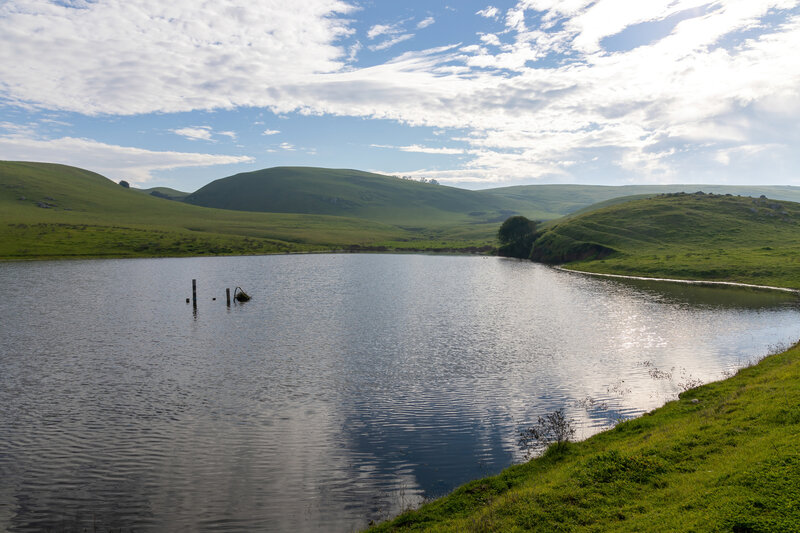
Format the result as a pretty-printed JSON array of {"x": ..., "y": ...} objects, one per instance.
[{"x": 726, "y": 297}]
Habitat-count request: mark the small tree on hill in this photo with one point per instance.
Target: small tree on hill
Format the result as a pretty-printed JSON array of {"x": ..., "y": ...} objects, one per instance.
[{"x": 125, "y": 184}]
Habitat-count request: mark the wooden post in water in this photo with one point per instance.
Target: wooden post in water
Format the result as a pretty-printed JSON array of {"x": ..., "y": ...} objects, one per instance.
[
  {"x": 194, "y": 292},
  {"x": 228, "y": 296}
]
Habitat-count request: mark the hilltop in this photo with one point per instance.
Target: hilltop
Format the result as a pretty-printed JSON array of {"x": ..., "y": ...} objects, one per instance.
[{"x": 687, "y": 236}]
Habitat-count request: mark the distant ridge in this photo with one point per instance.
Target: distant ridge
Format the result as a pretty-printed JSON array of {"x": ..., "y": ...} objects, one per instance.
[{"x": 391, "y": 200}]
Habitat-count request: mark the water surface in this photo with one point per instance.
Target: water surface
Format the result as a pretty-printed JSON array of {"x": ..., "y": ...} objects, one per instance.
[{"x": 351, "y": 386}]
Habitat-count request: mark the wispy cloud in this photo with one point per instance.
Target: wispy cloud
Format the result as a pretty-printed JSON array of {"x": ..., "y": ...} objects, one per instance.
[
  {"x": 202, "y": 133},
  {"x": 489, "y": 12},
  {"x": 424, "y": 23},
  {"x": 270, "y": 132},
  {"x": 388, "y": 43},
  {"x": 422, "y": 149},
  {"x": 379, "y": 30},
  {"x": 392, "y": 33}
]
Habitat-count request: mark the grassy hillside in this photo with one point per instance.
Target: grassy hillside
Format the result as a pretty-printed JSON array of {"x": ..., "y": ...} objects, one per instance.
[
  {"x": 69, "y": 212},
  {"x": 560, "y": 200},
  {"x": 724, "y": 457},
  {"x": 353, "y": 193},
  {"x": 49, "y": 210},
  {"x": 414, "y": 205},
  {"x": 732, "y": 238},
  {"x": 166, "y": 193}
]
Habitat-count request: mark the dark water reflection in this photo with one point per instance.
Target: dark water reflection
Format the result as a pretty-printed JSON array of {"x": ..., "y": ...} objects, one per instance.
[{"x": 349, "y": 387}]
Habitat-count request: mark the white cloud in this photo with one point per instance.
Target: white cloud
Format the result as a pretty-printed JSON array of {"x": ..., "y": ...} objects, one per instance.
[
  {"x": 112, "y": 161},
  {"x": 352, "y": 52},
  {"x": 422, "y": 149},
  {"x": 287, "y": 146},
  {"x": 202, "y": 133},
  {"x": 394, "y": 33},
  {"x": 490, "y": 39},
  {"x": 424, "y": 23},
  {"x": 379, "y": 30},
  {"x": 391, "y": 42},
  {"x": 489, "y": 12},
  {"x": 270, "y": 132},
  {"x": 124, "y": 57}
]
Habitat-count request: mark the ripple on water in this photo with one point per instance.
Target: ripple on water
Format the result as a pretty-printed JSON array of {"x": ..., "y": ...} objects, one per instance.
[{"x": 349, "y": 388}]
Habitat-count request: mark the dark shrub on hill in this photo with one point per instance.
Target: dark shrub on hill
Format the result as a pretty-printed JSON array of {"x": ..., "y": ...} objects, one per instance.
[{"x": 516, "y": 237}]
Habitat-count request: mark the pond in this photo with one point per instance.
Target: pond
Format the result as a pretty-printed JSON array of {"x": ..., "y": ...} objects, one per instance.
[{"x": 348, "y": 388}]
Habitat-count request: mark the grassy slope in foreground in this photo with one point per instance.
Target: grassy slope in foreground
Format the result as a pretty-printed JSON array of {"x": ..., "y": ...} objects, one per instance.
[
  {"x": 706, "y": 237},
  {"x": 91, "y": 216},
  {"x": 728, "y": 462}
]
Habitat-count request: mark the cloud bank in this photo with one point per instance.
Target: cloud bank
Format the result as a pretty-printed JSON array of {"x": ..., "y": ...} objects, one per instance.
[{"x": 716, "y": 85}]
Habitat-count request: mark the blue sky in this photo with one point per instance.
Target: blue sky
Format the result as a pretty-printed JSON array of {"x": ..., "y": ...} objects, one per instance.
[{"x": 474, "y": 94}]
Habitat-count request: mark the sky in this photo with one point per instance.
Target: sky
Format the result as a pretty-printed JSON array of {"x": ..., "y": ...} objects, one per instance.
[{"x": 473, "y": 94}]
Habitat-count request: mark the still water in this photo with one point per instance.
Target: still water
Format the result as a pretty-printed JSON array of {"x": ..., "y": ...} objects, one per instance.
[{"x": 349, "y": 387}]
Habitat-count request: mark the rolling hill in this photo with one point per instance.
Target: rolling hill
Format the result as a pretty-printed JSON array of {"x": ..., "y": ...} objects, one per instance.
[
  {"x": 567, "y": 199},
  {"x": 402, "y": 202},
  {"x": 357, "y": 194},
  {"x": 49, "y": 210},
  {"x": 687, "y": 236}
]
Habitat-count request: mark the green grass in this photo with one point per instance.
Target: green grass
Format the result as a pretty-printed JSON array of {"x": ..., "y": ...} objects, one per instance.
[
  {"x": 703, "y": 237},
  {"x": 728, "y": 462},
  {"x": 165, "y": 192},
  {"x": 91, "y": 216}
]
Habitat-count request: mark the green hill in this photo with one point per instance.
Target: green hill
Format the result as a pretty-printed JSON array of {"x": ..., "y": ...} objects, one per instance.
[
  {"x": 287, "y": 208},
  {"x": 413, "y": 204},
  {"x": 166, "y": 193},
  {"x": 560, "y": 200},
  {"x": 687, "y": 236},
  {"x": 49, "y": 210},
  {"x": 358, "y": 194}
]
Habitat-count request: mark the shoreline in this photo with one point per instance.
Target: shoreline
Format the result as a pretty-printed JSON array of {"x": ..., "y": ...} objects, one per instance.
[
  {"x": 424, "y": 251},
  {"x": 684, "y": 281},
  {"x": 693, "y": 448}
]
